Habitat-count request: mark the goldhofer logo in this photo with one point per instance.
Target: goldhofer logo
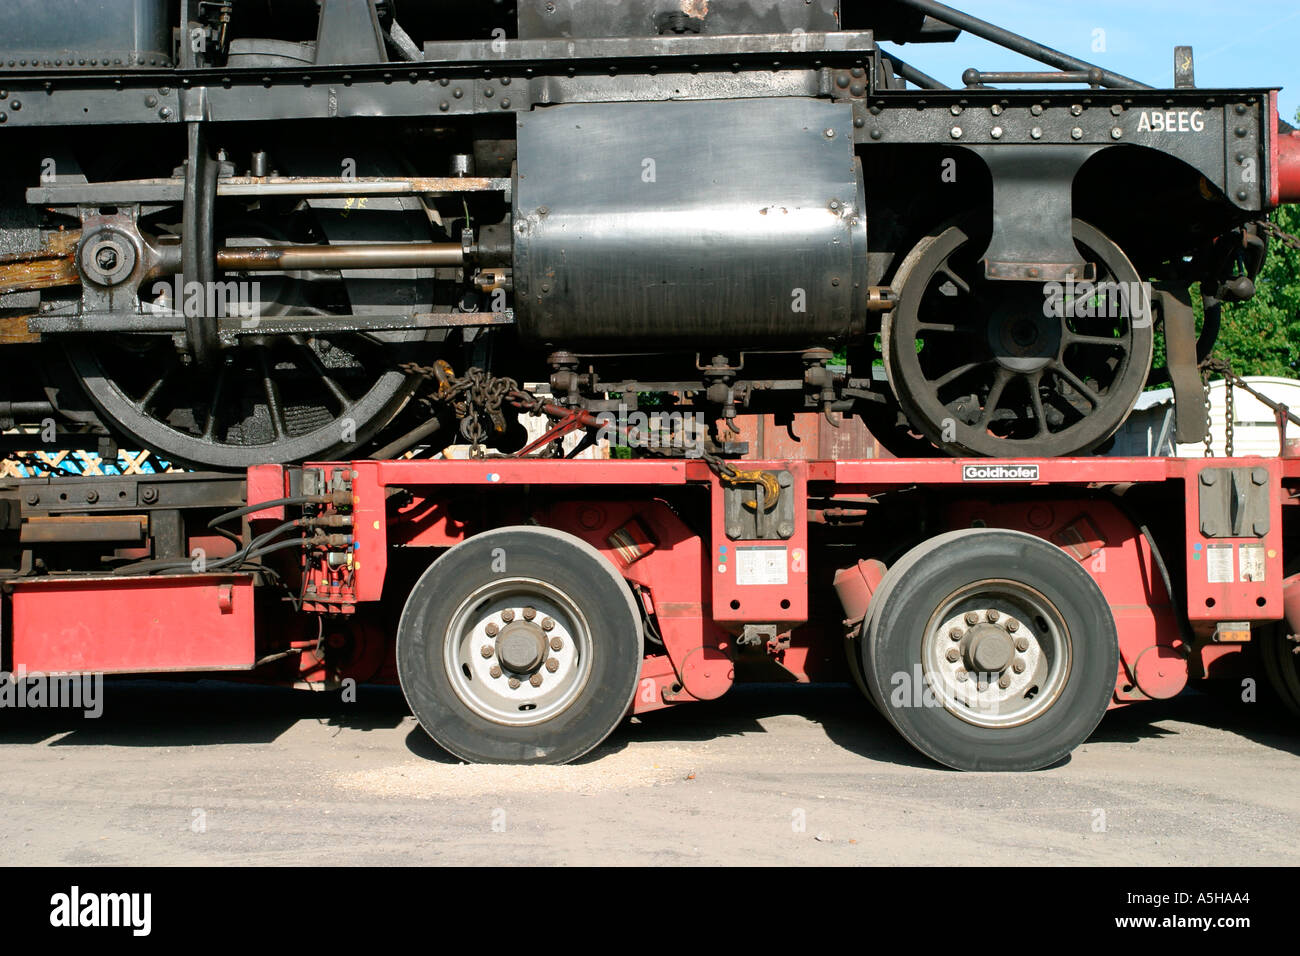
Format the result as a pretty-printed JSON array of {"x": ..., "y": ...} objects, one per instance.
[{"x": 999, "y": 473}]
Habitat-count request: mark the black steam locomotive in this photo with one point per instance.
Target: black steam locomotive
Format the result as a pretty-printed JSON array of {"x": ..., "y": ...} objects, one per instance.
[{"x": 244, "y": 231}]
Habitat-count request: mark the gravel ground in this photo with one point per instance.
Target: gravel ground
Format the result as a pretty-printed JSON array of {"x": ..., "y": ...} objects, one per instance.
[{"x": 214, "y": 773}]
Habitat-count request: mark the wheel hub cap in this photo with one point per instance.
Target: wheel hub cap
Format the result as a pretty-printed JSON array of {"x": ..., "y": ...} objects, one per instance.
[{"x": 522, "y": 647}]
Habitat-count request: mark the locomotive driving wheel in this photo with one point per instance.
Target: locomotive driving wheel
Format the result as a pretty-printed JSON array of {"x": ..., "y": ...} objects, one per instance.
[
  {"x": 271, "y": 399},
  {"x": 1016, "y": 369}
]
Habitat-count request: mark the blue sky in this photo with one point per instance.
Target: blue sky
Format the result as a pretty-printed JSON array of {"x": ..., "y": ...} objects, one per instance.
[{"x": 1261, "y": 48}]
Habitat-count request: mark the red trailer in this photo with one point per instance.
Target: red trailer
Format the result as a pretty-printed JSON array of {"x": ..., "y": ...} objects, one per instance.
[{"x": 993, "y": 611}]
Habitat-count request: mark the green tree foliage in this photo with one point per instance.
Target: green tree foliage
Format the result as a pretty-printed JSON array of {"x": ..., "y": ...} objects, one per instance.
[{"x": 1262, "y": 336}]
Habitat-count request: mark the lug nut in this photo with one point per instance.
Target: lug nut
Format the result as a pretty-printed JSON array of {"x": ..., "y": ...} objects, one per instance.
[
  {"x": 1004, "y": 681},
  {"x": 557, "y": 644},
  {"x": 507, "y": 615},
  {"x": 530, "y": 613},
  {"x": 982, "y": 686},
  {"x": 548, "y": 624},
  {"x": 992, "y": 616},
  {"x": 535, "y": 680},
  {"x": 514, "y": 683},
  {"x": 1013, "y": 625},
  {"x": 491, "y": 630},
  {"x": 552, "y": 665},
  {"x": 1022, "y": 644},
  {"x": 486, "y": 650},
  {"x": 955, "y": 634},
  {"x": 495, "y": 671},
  {"x": 961, "y": 675},
  {"x": 1018, "y": 667},
  {"x": 954, "y": 655},
  {"x": 972, "y": 618}
]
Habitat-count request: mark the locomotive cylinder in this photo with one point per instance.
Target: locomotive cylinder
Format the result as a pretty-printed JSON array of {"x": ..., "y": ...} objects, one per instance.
[{"x": 738, "y": 222}]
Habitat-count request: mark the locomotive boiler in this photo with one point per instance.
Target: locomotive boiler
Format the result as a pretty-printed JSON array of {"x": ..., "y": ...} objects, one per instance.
[{"x": 240, "y": 231}]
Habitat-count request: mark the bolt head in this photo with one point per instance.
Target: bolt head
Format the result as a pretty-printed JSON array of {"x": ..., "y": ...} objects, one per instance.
[
  {"x": 982, "y": 686},
  {"x": 557, "y": 644},
  {"x": 1076, "y": 133},
  {"x": 1012, "y": 625},
  {"x": 955, "y": 132},
  {"x": 495, "y": 671},
  {"x": 992, "y": 615},
  {"x": 962, "y": 675},
  {"x": 535, "y": 680},
  {"x": 548, "y": 624},
  {"x": 514, "y": 683},
  {"x": 1018, "y": 667},
  {"x": 487, "y": 650},
  {"x": 972, "y": 618},
  {"x": 1004, "y": 681},
  {"x": 954, "y": 655},
  {"x": 491, "y": 630},
  {"x": 507, "y": 615},
  {"x": 530, "y": 613},
  {"x": 552, "y": 665},
  {"x": 1116, "y": 133},
  {"x": 1022, "y": 644},
  {"x": 955, "y": 634}
]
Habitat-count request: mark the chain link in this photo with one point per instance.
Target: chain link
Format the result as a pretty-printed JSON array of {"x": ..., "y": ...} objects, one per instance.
[
  {"x": 478, "y": 394},
  {"x": 1269, "y": 228}
]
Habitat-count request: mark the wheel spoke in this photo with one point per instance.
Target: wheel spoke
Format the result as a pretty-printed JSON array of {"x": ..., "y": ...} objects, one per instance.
[
  {"x": 947, "y": 270},
  {"x": 949, "y": 377},
  {"x": 1000, "y": 383},
  {"x": 210, "y": 426},
  {"x": 274, "y": 408},
  {"x": 154, "y": 390},
  {"x": 1040, "y": 413},
  {"x": 318, "y": 367},
  {"x": 1104, "y": 341},
  {"x": 1078, "y": 384}
]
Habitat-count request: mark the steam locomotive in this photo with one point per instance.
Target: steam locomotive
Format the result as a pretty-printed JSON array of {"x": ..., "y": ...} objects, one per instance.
[{"x": 243, "y": 231}]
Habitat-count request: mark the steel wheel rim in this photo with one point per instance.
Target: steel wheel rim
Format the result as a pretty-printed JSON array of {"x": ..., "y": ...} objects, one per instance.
[
  {"x": 483, "y": 682},
  {"x": 1038, "y": 365},
  {"x": 970, "y": 664},
  {"x": 362, "y": 413}
]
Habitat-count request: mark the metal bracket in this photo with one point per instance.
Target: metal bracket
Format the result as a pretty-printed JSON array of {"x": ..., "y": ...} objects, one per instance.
[
  {"x": 1234, "y": 502},
  {"x": 752, "y": 513},
  {"x": 1033, "y": 213},
  {"x": 1175, "y": 304}
]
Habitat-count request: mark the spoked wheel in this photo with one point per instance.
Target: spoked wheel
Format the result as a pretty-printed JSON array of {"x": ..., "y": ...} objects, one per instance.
[
  {"x": 991, "y": 650},
  {"x": 1006, "y": 369},
  {"x": 520, "y": 645},
  {"x": 271, "y": 399}
]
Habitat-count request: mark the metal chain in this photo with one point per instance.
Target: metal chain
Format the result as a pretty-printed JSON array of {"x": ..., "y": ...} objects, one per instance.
[
  {"x": 1209, "y": 418},
  {"x": 477, "y": 394},
  {"x": 1269, "y": 228}
]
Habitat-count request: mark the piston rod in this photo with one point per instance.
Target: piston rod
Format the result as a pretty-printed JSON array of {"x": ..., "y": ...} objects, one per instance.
[{"x": 379, "y": 256}]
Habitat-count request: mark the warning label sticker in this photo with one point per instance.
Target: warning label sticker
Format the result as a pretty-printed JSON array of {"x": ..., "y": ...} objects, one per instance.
[
  {"x": 761, "y": 566},
  {"x": 1250, "y": 562},
  {"x": 1218, "y": 563}
]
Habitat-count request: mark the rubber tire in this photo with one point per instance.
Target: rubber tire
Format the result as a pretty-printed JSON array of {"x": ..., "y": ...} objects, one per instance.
[
  {"x": 913, "y": 591},
  {"x": 572, "y": 566},
  {"x": 1280, "y": 667}
]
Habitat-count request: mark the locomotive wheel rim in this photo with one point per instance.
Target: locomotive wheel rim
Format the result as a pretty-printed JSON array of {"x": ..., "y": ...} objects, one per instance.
[
  {"x": 996, "y": 654},
  {"x": 355, "y": 418},
  {"x": 1017, "y": 363},
  {"x": 525, "y": 624}
]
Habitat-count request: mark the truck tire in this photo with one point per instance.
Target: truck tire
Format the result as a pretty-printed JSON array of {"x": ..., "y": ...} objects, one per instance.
[
  {"x": 520, "y": 645},
  {"x": 991, "y": 650}
]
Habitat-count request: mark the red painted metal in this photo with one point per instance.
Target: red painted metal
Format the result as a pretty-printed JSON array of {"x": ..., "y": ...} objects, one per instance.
[
  {"x": 134, "y": 625},
  {"x": 267, "y": 483},
  {"x": 762, "y": 581},
  {"x": 1284, "y": 154},
  {"x": 1215, "y": 566}
]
